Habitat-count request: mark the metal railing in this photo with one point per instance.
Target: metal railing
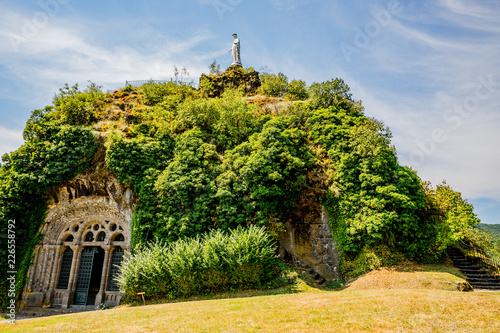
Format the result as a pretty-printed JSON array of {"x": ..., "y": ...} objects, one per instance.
[
  {"x": 481, "y": 258},
  {"x": 138, "y": 83}
]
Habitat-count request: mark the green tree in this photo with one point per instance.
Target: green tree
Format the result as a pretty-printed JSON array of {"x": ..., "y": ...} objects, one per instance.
[
  {"x": 273, "y": 85},
  {"x": 334, "y": 93},
  {"x": 77, "y": 107},
  {"x": 379, "y": 199},
  {"x": 138, "y": 163},
  {"x": 53, "y": 153},
  {"x": 187, "y": 188},
  {"x": 262, "y": 178},
  {"x": 452, "y": 216},
  {"x": 297, "y": 91}
]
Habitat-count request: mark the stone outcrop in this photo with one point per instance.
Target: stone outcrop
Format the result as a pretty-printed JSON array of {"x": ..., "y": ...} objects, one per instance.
[
  {"x": 97, "y": 181},
  {"x": 307, "y": 241},
  {"x": 233, "y": 77}
]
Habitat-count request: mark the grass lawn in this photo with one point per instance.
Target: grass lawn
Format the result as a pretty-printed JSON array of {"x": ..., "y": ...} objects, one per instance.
[{"x": 418, "y": 307}]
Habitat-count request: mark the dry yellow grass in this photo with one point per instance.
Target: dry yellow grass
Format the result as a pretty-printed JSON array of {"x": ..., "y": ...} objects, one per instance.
[{"x": 392, "y": 309}]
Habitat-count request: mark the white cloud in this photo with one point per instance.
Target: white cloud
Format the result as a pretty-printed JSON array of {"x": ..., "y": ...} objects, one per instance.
[
  {"x": 65, "y": 51},
  {"x": 466, "y": 9},
  {"x": 10, "y": 140}
]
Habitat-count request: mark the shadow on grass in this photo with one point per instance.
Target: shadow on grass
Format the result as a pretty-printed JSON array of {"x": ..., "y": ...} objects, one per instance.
[{"x": 292, "y": 286}]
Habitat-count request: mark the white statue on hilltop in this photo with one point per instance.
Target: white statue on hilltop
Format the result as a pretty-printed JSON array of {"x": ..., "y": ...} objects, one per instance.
[{"x": 236, "y": 51}]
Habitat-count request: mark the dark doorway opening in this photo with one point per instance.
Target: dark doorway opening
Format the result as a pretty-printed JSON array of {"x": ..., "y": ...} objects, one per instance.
[
  {"x": 89, "y": 275},
  {"x": 95, "y": 279}
]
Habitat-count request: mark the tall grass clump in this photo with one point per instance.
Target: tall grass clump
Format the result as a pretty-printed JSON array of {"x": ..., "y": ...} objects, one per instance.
[{"x": 218, "y": 261}]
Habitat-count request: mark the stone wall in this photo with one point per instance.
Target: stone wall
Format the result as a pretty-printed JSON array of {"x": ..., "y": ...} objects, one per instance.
[{"x": 307, "y": 241}]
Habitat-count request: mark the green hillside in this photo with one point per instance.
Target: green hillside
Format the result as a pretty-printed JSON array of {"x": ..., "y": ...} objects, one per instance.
[
  {"x": 238, "y": 151},
  {"x": 492, "y": 229}
]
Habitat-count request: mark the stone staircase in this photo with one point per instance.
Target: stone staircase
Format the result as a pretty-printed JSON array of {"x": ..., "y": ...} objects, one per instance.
[{"x": 476, "y": 276}]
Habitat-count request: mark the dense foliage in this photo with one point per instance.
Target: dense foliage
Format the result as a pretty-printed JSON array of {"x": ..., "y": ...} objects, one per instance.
[
  {"x": 79, "y": 108},
  {"x": 218, "y": 261},
  {"x": 199, "y": 164},
  {"x": 53, "y": 152}
]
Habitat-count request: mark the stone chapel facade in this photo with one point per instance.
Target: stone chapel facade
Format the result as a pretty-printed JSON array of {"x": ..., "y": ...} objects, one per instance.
[{"x": 85, "y": 236}]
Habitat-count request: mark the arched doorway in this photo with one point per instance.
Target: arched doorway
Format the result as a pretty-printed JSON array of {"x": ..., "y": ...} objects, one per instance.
[
  {"x": 75, "y": 262},
  {"x": 89, "y": 277}
]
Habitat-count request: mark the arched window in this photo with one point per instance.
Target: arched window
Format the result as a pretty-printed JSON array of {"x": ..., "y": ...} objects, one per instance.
[
  {"x": 116, "y": 260},
  {"x": 101, "y": 236},
  {"x": 69, "y": 238},
  {"x": 66, "y": 261},
  {"x": 119, "y": 238},
  {"x": 89, "y": 237}
]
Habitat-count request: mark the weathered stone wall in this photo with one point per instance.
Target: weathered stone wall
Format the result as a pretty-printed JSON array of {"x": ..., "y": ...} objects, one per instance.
[{"x": 307, "y": 239}]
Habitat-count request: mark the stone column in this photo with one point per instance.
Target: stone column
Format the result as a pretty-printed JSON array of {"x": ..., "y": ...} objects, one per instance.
[
  {"x": 31, "y": 295},
  {"x": 56, "y": 270},
  {"x": 68, "y": 295},
  {"x": 31, "y": 271},
  {"x": 105, "y": 272}
]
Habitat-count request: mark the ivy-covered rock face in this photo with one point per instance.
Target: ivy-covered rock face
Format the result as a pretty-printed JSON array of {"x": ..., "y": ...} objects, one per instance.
[{"x": 197, "y": 163}]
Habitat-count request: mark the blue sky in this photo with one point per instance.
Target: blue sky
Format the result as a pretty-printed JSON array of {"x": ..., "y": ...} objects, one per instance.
[{"x": 430, "y": 70}]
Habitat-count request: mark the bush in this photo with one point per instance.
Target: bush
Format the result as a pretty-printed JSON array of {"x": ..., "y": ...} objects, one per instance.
[
  {"x": 273, "y": 85},
  {"x": 169, "y": 94},
  {"x": 227, "y": 120},
  {"x": 297, "y": 91},
  {"x": 239, "y": 259},
  {"x": 366, "y": 261},
  {"x": 75, "y": 107}
]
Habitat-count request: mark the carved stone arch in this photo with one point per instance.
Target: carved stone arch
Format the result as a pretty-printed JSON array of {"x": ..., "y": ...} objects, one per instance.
[
  {"x": 83, "y": 213},
  {"x": 76, "y": 219}
]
